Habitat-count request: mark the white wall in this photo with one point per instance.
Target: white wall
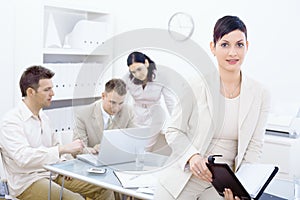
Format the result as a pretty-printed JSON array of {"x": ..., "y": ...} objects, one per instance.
[
  {"x": 273, "y": 30},
  {"x": 6, "y": 54}
]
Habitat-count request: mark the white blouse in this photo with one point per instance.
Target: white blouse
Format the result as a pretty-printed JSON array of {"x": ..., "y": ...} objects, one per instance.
[
  {"x": 145, "y": 98},
  {"x": 225, "y": 142}
]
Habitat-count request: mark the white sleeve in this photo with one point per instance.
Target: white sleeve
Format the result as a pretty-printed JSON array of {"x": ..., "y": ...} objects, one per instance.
[
  {"x": 15, "y": 143},
  {"x": 170, "y": 99}
]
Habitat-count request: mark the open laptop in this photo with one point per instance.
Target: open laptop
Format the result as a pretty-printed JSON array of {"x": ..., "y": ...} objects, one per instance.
[{"x": 119, "y": 146}]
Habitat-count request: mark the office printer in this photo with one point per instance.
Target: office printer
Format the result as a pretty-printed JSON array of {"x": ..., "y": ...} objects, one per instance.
[{"x": 286, "y": 126}]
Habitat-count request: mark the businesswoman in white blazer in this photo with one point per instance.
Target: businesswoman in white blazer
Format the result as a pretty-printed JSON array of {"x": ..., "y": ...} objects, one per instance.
[{"x": 193, "y": 134}]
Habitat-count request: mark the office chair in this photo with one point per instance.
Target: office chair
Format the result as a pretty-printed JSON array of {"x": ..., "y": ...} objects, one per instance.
[
  {"x": 3, "y": 189},
  {"x": 4, "y": 193}
]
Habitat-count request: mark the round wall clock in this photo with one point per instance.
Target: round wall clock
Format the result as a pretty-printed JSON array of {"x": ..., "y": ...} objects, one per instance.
[{"x": 181, "y": 26}]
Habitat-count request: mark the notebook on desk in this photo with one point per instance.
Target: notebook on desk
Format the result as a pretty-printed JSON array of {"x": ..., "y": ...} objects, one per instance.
[
  {"x": 119, "y": 146},
  {"x": 249, "y": 182}
]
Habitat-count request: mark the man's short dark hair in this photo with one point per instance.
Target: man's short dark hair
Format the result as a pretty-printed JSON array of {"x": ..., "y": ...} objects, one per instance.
[
  {"x": 31, "y": 77},
  {"x": 117, "y": 85}
]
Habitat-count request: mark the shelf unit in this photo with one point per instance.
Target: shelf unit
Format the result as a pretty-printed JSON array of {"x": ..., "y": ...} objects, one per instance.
[
  {"x": 283, "y": 152},
  {"x": 63, "y": 36}
]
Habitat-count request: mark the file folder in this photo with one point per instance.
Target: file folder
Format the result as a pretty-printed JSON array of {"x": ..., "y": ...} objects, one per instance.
[{"x": 224, "y": 177}]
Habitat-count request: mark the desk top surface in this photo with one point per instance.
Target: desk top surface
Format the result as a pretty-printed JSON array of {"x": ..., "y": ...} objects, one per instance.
[{"x": 79, "y": 170}]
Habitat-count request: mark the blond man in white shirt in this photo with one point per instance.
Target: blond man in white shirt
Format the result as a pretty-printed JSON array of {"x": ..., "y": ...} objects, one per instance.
[{"x": 27, "y": 144}]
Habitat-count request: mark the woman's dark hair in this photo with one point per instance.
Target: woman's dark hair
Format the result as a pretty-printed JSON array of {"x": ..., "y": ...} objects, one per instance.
[
  {"x": 31, "y": 77},
  {"x": 139, "y": 57},
  {"x": 226, "y": 25}
]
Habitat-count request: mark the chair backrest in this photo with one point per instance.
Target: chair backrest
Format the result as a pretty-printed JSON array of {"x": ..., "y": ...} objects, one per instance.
[{"x": 4, "y": 193}]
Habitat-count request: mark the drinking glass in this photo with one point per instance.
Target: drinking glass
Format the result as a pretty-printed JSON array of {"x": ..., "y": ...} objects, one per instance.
[{"x": 139, "y": 159}]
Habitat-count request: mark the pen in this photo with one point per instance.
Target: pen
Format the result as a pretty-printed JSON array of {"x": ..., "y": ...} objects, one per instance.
[{"x": 134, "y": 177}]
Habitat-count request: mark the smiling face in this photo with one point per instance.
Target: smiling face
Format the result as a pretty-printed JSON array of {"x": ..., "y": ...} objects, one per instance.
[{"x": 230, "y": 51}]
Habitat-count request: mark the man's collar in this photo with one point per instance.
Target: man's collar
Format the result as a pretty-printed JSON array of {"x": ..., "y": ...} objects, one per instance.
[
  {"x": 26, "y": 112},
  {"x": 104, "y": 113}
]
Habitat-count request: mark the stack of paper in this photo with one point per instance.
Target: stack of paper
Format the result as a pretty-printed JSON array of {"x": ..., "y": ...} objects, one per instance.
[
  {"x": 135, "y": 180},
  {"x": 254, "y": 176}
]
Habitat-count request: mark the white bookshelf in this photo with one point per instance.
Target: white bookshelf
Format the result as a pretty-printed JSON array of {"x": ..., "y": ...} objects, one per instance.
[{"x": 43, "y": 38}]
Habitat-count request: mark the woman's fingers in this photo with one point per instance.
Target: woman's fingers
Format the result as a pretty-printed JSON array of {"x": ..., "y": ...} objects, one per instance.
[
  {"x": 228, "y": 195},
  {"x": 199, "y": 168}
]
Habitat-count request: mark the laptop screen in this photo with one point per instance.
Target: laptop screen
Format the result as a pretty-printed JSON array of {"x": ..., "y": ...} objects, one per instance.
[{"x": 122, "y": 145}]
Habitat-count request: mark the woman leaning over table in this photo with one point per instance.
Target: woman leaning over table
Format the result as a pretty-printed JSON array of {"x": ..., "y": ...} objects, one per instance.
[{"x": 146, "y": 87}]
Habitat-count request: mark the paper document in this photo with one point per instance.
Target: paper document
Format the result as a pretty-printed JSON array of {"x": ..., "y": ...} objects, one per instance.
[
  {"x": 132, "y": 180},
  {"x": 254, "y": 176}
]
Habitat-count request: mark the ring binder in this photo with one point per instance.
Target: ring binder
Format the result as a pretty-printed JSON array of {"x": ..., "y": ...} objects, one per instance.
[{"x": 224, "y": 177}]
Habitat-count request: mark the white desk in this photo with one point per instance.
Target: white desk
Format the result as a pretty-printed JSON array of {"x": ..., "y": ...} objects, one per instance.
[
  {"x": 78, "y": 169},
  {"x": 281, "y": 188}
]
